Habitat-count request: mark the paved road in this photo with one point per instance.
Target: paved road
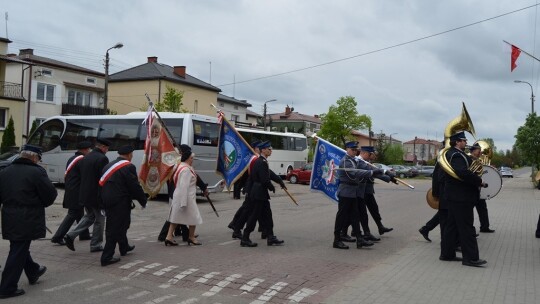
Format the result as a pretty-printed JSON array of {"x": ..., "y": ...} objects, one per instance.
[{"x": 402, "y": 268}]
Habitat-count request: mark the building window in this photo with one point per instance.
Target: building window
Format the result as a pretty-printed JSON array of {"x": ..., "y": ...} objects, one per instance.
[
  {"x": 45, "y": 92},
  {"x": 90, "y": 80},
  {"x": 40, "y": 120},
  {"x": 79, "y": 98},
  {"x": 3, "y": 118},
  {"x": 236, "y": 107},
  {"x": 234, "y": 117},
  {"x": 46, "y": 72}
]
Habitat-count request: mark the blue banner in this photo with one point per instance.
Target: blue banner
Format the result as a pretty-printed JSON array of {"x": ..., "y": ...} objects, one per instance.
[
  {"x": 323, "y": 176},
  {"x": 234, "y": 153}
]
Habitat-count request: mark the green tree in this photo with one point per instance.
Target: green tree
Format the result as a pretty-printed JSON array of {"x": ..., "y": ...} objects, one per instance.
[
  {"x": 341, "y": 119},
  {"x": 8, "y": 139},
  {"x": 172, "y": 101},
  {"x": 528, "y": 140}
]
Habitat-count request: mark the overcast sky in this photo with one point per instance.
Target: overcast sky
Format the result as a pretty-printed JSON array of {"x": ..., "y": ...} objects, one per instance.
[{"x": 409, "y": 90}]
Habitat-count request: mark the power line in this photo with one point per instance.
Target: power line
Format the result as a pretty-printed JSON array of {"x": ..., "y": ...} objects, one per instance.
[{"x": 379, "y": 50}]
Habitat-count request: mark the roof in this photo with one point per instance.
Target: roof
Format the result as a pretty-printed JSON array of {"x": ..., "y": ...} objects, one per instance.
[
  {"x": 232, "y": 100},
  {"x": 154, "y": 71},
  {"x": 294, "y": 116},
  {"x": 421, "y": 141},
  {"x": 39, "y": 60},
  {"x": 12, "y": 59},
  {"x": 251, "y": 113},
  {"x": 360, "y": 134}
]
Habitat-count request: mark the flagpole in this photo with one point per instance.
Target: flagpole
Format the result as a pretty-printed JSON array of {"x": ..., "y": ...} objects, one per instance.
[
  {"x": 521, "y": 50},
  {"x": 162, "y": 122}
]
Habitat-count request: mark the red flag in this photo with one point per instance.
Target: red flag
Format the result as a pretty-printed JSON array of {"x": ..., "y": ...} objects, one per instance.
[
  {"x": 159, "y": 157},
  {"x": 515, "y": 54}
]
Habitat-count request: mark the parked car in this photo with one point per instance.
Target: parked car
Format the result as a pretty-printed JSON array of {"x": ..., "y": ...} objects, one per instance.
[
  {"x": 506, "y": 172},
  {"x": 403, "y": 171},
  {"x": 414, "y": 171},
  {"x": 384, "y": 167},
  {"x": 300, "y": 175},
  {"x": 426, "y": 171},
  {"x": 7, "y": 158}
]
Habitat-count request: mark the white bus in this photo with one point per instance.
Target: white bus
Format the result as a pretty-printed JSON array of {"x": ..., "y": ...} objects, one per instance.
[
  {"x": 59, "y": 135},
  {"x": 289, "y": 150}
]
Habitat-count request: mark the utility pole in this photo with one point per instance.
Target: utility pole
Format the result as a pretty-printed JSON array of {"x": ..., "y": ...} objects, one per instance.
[{"x": 264, "y": 112}]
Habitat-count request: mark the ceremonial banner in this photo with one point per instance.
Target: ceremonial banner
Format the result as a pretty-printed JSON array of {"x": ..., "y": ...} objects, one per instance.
[
  {"x": 159, "y": 156},
  {"x": 323, "y": 176},
  {"x": 234, "y": 153},
  {"x": 514, "y": 56}
]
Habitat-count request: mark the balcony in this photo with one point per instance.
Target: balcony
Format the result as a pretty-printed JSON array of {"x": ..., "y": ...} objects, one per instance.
[
  {"x": 10, "y": 90},
  {"x": 70, "y": 109}
]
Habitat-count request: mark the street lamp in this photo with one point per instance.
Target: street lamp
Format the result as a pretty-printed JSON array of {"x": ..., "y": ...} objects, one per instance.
[
  {"x": 264, "y": 112},
  {"x": 532, "y": 94},
  {"x": 414, "y": 149},
  {"x": 105, "y": 96}
]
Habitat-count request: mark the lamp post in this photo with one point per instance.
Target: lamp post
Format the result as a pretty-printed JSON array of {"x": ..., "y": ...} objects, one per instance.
[
  {"x": 264, "y": 112},
  {"x": 391, "y": 137},
  {"x": 105, "y": 96},
  {"x": 414, "y": 149},
  {"x": 532, "y": 94}
]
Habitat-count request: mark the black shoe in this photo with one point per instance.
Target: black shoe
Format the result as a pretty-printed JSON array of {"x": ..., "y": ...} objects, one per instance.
[
  {"x": 425, "y": 233},
  {"x": 129, "y": 249},
  {"x": 454, "y": 259},
  {"x": 371, "y": 237},
  {"x": 339, "y": 245},
  {"x": 537, "y": 233},
  {"x": 347, "y": 238},
  {"x": 264, "y": 235},
  {"x": 361, "y": 242},
  {"x": 16, "y": 293},
  {"x": 161, "y": 239},
  {"x": 237, "y": 234},
  {"x": 58, "y": 242},
  {"x": 231, "y": 226},
  {"x": 96, "y": 249},
  {"x": 69, "y": 243},
  {"x": 487, "y": 230},
  {"x": 109, "y": 262},
  {"x": 274, "y": 241},
  {"x": 247, "y": 243},
  {"x": 33, "y": 279},
  {"x": 476, "y": 263},
  {"x": 383, "y": 230}
]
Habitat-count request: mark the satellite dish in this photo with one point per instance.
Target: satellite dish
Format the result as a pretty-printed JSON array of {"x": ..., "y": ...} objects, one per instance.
[{"x": 292, "y": 109}]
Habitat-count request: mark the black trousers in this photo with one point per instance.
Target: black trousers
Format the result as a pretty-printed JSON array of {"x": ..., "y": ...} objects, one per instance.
[
  {"x": 117, "y": 224},
  {"x": 18, "y": 259},
  {"x": 182, "y": 230},
  {"x": 346, "y": 215},
  {"x": 433, "y": 222},
  {"x": 72, "y": 216},
  {"x": 237, "y": 188},
  {"x": 259, "y": 211},
  {"x": 373, "y": 207},
  {"x": 242, "y": 214},
  {"x": 362, "y": 217},
  {"x": 481, "y": 208},
  {"x": 460, "y": 227}
]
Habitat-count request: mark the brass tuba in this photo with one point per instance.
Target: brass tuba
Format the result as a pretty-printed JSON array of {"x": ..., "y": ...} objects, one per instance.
[
  {"x": 487, "y": 152},
  {"x": 461, "y": 123}
]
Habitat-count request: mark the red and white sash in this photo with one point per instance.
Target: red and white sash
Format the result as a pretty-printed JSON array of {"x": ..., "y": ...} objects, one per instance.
[
  {"x": 72, "y": 163},
  {"x": 180, "y": 169},
  {"x": 112, "y": 170}
]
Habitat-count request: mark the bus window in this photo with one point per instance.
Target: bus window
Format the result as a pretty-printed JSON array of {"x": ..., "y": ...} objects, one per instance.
[
  {"x": 300, "y": 144},
  {"x": 121, "y": 132},
  {"x": 79, "y": 130},
  {"x": 174, "y": 125},
  {"x": 47, "y": 136},
  {"x": 205, "y": 133}
]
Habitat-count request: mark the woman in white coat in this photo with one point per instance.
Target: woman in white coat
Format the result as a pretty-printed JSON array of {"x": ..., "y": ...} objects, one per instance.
[{"x": 184, "y": 208}]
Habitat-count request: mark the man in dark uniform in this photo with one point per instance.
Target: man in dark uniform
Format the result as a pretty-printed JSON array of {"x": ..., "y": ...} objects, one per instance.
[
  {"x": 72, "y": 182},
  {"x": 119, "y": 185},
  {"x": 481, "y": 206},
  {"x": 349, "y": 191},
  {"x": 461, "y": 195},
  {"x": 91, "y": 167},
  {"x": 25, "y": 192},
  {"x": 180, "y": 229},
  {"x": 260, "y": 184}
]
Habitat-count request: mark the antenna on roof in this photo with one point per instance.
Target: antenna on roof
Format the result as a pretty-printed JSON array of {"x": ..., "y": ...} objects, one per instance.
[{"x": 6, "y": 25}]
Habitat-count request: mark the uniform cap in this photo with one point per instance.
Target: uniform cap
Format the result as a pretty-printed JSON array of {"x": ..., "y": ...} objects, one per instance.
[
  {"x": 369, "y": 149},
  {"x": 84, "y": 145},
  {"x": 32, "y": 148},
  {"x": 351, "y": 145},
  {"x": 123, "y": 150},
  {"x": 104, "y": 142},
  {"x": 458, "y": 136},
  {"x": 265, "y": 145}
]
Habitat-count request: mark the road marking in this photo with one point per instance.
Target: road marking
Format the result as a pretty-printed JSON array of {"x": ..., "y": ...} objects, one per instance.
[
  {"x": 301, "y": 294},
  {"x": 161, "y": 299},
  {"x": 100, "y": 286},
  {"x": 138, "y": 295},
  {"x": 164, "y": 270},
  {"x": 189, "y": 301},
  {"x": 68, "y": 285},
  {"x": 206, "y": 277},
  {"x": 140, "y": 271},
  {"x": 219, "y": 286},
  {"x": 228, "y": 242},
  {"x": 251, "y": 284},
  {"x": 270, "y": 292},
  {"x": 178, "y": 277},
  {"x": 116, "y": 290},
  {"x": 129, "y": 265}
]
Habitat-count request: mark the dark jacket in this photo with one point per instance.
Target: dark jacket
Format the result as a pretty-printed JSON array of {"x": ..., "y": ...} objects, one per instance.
[
  {"x": 122, "y": 186},
  {"x": 72, "y": 183},
  {"x": 467, "y": 190},
  {"x": 260, "y": 180},
  {"x": 437, "y": 185},
  {"x": 91, "y": 167},
  {"x": 25, "y": 191},
  {"x": 350, "y": 181}
]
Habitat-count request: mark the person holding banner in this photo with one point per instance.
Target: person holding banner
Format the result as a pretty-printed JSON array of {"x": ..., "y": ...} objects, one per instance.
[
  {"x": 119, "y": 185},
  {"x": 184, "y": 208}
]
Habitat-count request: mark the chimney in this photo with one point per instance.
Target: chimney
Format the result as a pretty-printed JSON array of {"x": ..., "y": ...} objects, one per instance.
[
  {"x": 26, "y": 52},
  {"x": 287, "y": 110},
  {"x": 180, "y": 70},
  {"x": 152, "y": 59},
  {"x": 316, "y": 116}
]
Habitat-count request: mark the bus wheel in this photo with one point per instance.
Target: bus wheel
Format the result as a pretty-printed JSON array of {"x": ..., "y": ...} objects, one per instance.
[{"x": 293, "y": 179}]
